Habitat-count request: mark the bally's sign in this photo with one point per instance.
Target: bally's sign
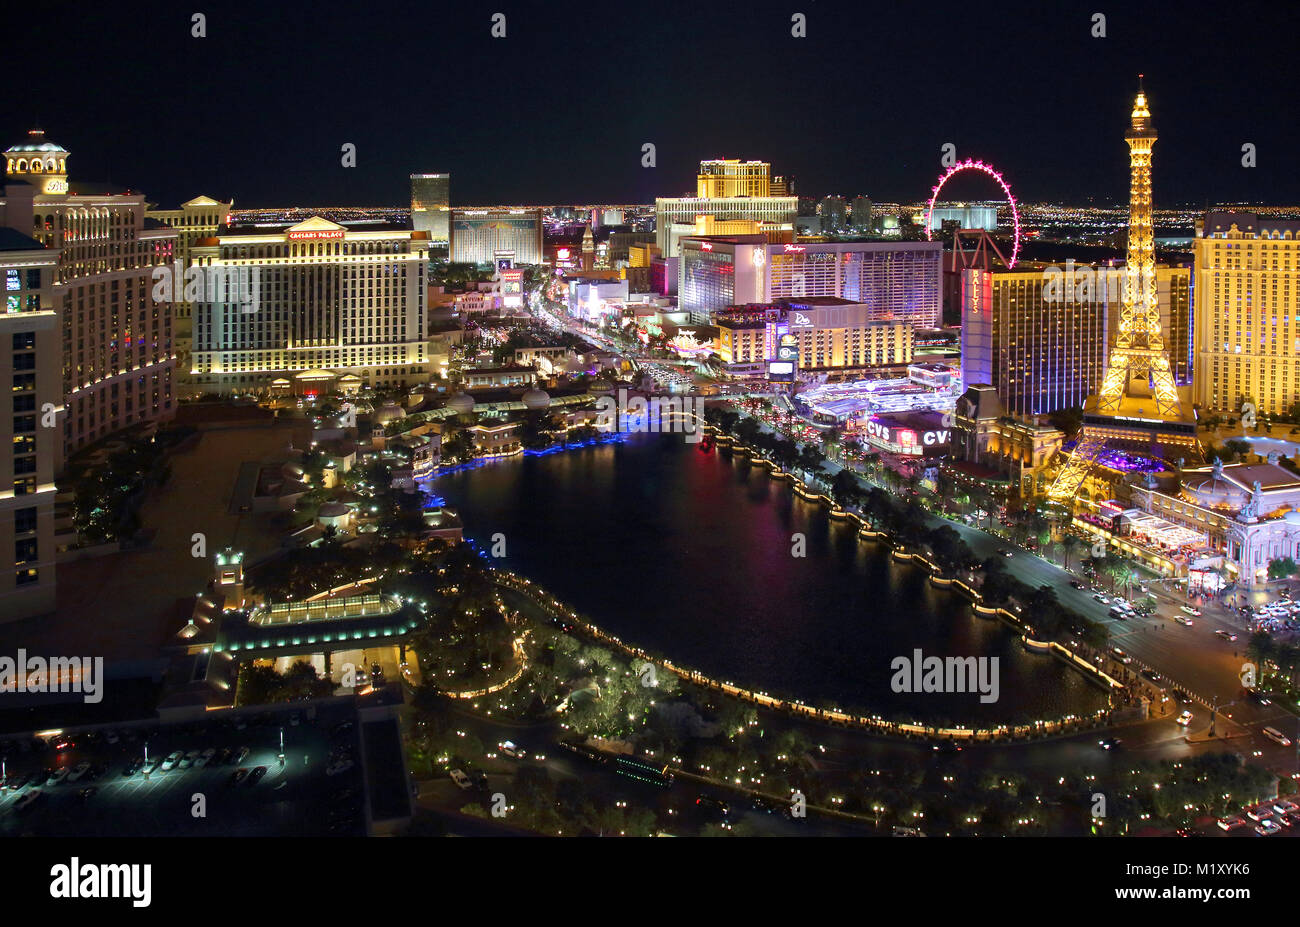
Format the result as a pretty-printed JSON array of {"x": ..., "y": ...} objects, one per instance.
[{"x": 799, "y": 320}]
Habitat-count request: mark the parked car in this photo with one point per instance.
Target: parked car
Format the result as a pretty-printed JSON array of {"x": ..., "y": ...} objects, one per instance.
[
  {"x": 172, "y": 760},
  {"x": 512, "y": 750},
  {"x": 460, "y": 779},
  {"x": 238, "y": 776},
  {"x": 80, "y": 770},
  {"x": 256, "y": 775},
  {"x": 28, "y": 800}
]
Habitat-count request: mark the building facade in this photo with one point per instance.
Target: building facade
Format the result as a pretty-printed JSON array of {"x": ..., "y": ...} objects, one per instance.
[
  {"x": 116, "y": 339},
  {"x": 325, "y": 300},
  {"x": 1247, "y": 315},
  {"x": 499, "y": 236},
  {"x": 895, "y": 280},
  {"x": 201, "y": 217},
  {"x": 31, "y": 425},
  {"x": 727, "y": 190},
  {"x": 1038, "y": 334},
  {"x": 431, "y": 206}
]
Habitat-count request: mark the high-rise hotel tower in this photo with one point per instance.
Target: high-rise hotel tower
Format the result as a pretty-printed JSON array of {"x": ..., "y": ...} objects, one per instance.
[{"x": 1247, "y": 312}]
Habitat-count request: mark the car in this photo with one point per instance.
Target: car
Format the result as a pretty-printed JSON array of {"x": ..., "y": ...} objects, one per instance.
[
  {"x": 461, "y": 780},
  {"x": 1110, "y": 743},
  {"x": 87, "y": 793},
  {"x": 1226, "y": 635},
  {"x": 339, "y": 765},
  {"x": 256, "y": 775},
  {"x": 111, "y": 737},
  {"x": 189, "y": 759},
  {"x": 238, "y": 775},
  {"x": 1258, "y": 697},
  {"x": 1076, "y": 584},
  {"x": 58, "y": 776},
  {"x": 512, "y": 750},
  {"x": 713, "y": 806},
  {"x": 1267, "y": 828},
  {"x": 223, "y": 757},
  {"x": 62, "y": 743},
  {"x": 28, "y": 800},
  {"x": 154, "y": 765},
  {"x": 132, "y": 767},
  {"x": 1284, "y": 807},
  {"x": 1152, "y": 675},
  {"x": 1230, "y": 823},
  {"x": 1259, "y": 812},
  {"x": 240, "y": 755},
  {"x": 480, "y": 779},
  {"x": 1184, "y": 719},
  {"x": 1120, "y": 655},
  {"x": 172, "y": 759},
  {"x": 205, "y": 758},
  {"x": 80, "y": 770},
  {"x": 1188, "y": 610},
  {"x": 1097, "y": 596}
]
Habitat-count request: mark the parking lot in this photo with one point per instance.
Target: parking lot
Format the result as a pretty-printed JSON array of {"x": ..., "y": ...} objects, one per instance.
[{"x": 193, "y": 795}]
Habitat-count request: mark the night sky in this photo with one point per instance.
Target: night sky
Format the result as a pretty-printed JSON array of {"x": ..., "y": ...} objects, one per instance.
[{"x": 558, "y": 110}]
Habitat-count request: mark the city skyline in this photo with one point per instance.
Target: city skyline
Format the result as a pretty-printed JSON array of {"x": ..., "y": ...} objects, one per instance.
[{"x": 507, "y": 142}]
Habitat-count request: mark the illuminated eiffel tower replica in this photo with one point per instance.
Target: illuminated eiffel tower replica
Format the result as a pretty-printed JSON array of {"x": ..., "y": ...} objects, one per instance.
[{"x": 1139, "y": 407}]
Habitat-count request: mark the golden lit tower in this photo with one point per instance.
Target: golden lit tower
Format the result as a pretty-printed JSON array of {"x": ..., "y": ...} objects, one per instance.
[
  {"x": 1139, "y": 349},
  {"x": 1137, "y": 407}
]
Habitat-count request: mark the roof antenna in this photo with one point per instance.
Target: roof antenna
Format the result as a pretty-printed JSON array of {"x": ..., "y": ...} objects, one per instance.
[{"x": 1140, "y": 90}]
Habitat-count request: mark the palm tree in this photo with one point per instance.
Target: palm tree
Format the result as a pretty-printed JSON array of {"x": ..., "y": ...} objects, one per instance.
[
  {"x": 1121, "y": 574},
  {"x": 1068, "y": 544}
]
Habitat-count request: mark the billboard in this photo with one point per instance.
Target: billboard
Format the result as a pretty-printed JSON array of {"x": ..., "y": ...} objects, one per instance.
[{"x": 787, "y": 360}]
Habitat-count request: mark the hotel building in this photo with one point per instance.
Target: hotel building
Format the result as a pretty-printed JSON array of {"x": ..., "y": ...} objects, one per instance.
[
  {"x": 896, "y": 281},
  {"x": 1247, "y": 312},
  {"x": 117, "y": 353},
  {"x": 324, "y": 301},
  {"x": 30, "y": 425},
  {"x": 831, "y": 334},
  {"x": 1042, "y": 342},
  {"x": 431, "y": 206},
  {"x": 201, "y": 217},
  {"x": 728, "y": 190},
  {"x": 504, "y": 237}
]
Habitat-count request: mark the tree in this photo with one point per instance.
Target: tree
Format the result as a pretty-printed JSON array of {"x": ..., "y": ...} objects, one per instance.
[
  {"x": 1281, "y": 568},
  {"x": 1068, "y": 544}
]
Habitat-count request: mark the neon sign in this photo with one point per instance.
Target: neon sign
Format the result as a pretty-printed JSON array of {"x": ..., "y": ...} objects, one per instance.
[{"x": 316, "y": 234}]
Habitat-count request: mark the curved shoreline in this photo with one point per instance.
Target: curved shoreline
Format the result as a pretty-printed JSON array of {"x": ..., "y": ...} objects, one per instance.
[{"x": 552, "y": 608}]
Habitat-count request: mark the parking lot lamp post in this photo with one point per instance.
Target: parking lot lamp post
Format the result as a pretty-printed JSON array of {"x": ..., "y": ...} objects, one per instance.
[
  {"x": 281, "y": 746},
  {"x": 146, "y": 759}
]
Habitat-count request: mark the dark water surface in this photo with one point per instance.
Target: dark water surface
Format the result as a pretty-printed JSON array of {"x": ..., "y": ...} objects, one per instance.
[{"x": 688, "y": 553}]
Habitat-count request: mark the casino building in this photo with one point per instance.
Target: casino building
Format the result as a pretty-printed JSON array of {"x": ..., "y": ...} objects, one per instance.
[
  {"x": 322, "y": 301},
  {"x": 727, "y": 191},
  {"x": 116, "y": 348},
  {"x": 501, "y": 236},
  {"x": 895, "y": 281}
]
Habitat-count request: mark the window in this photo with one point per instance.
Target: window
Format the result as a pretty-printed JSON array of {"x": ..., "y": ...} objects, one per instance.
[{"x": 24, "y": 520}]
